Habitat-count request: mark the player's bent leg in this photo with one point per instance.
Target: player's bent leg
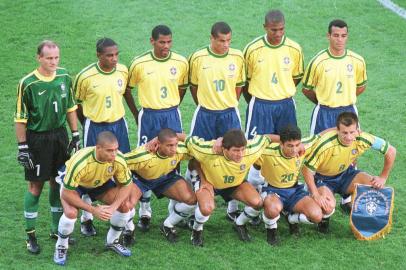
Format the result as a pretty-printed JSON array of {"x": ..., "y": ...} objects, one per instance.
[
  {"x": 117, "y": 223},
  {"x": 272, "y": 208},
  {"x": 360, "y": 178},
  {"x": 328, "y": 211},
  {"x": 203, "y": 210},
  {"x": 56, "y": 206},
  {"x": 145, "y": 211},
  {"x": 87, "y": 227},
  {"x": 306, "y": 211}
]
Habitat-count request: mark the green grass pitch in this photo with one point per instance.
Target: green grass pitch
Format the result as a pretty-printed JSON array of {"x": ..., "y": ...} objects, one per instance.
[{"x": 374, "y": 32}]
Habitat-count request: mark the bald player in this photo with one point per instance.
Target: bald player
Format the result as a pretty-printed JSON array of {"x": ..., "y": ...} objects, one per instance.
[{"x": 329, "y": 168}]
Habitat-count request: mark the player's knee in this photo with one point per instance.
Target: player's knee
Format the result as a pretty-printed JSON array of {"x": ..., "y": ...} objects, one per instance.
[
  {"x": 124, "y": 207},
  {"x": 272, "y": 212},
  {"x": 315, "y": 214},
  {"x": 206, "y": 209},
  {"x": 70, "y": 212},
  {"x": 190, "y": 199},
  {"x": 256, "y": 203},
  {"x": 35, "y": 188}
]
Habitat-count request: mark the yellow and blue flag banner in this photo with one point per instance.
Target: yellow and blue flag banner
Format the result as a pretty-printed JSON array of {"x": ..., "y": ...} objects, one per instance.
[{"x": 371, "y": 212}]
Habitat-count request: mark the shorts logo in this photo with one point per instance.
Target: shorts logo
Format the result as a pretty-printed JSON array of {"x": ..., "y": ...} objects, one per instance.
[
  {"x": 349, "y": 67},
  {"x": 173, "y": 71},
  {"x": 242, "y": 167},
  {"x": 120, "y": 82},
  {"x": 97, "y": 182},
  {"x": 231, "y": 67},
  {"x": 286, "y": 60},
  {"x": 173, "y": 162},
  {"x": 354, "y": 151},
  {"x": 110, "y": 169}
]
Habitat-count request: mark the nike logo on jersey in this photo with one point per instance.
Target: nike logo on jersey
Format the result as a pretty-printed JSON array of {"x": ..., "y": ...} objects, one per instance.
[
  {"x": 149, "y": 73},
  {"x": 260, "y": 60},
  {"x": 216, "y": 165},
  {"x": 206, "y": 67},
  {"x": 40, "y": 93},
  {"x": 327, "y": 70},
  {"x": 95, "y": 86}
]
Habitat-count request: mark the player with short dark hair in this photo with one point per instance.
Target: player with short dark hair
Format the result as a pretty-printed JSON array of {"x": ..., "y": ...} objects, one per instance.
[
  {"x": 223, "y": 174},
  {"x": 99, "y": 90},
  {"x": 217, "y": 74},
  {"x": 44, "y": 103},
  {"x": 274, "y": 69},
  {"x": 161, "y": 78},
  {"x": 333, "y": 79},
  {"x": 329, "y": 168},
  {"x": 280, "y": 165},
  {"x": 157, "y": 172},
  {"x": 90, "y": 171}
]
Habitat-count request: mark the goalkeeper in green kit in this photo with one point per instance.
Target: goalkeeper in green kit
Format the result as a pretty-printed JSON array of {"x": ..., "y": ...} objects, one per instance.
[{"x": 44, "y": 104}]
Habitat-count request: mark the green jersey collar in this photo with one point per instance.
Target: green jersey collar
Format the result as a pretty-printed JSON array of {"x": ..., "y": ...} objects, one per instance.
[
  {"x": 274, "y": 46},
  {"x": 215, "y": 54},
  {"x": 104, "y": 72}
]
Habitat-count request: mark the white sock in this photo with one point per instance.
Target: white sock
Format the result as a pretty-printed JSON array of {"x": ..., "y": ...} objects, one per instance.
[
  {"x": 255, "y": 178},
  {"x": 248, "y": 214},
  {"x": 298, "y": 218},
  {"x": 86, "y": 215},
  {"x": 346, "y": 200},
  {"x": 130, "y": 223},
  {"x": 65, "y": 228},
  {"x": 329, "y": 215},
  {"x": 181, "y": 211},
  {"x": 199, "y": 219},
  {"x": 145, "y": 205},
  {"x": 117, "y": 223},
  {"x": 270, "y": 223},
  {"x": 232, "y": 206},
  {"x": 171, "y": 205}
]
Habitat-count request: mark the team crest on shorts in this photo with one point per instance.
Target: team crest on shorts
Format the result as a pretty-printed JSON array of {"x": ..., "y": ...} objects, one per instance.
[
  {"x": 231, "y": 67},
  {"x": 173, "y": 162},
  {"x": 286, "y": 60},
  {"x": 110, "y": 169},
  {"x": 242, "y": 167},
  {"x": 120, "y": 82},
  {"x": 354, "y": 151},
  {"x": 349, "y": 67},
  {"x": 173, "y": 71}
]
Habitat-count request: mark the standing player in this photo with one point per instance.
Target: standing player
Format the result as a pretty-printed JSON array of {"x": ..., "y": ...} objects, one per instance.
[
  {"x": 90, "y": 171},
  {"x": 99, "y": 89},
  {"x": 217, "y": 74},
  {"x": 158, "y": 172},
  {"x": 223, "y": 174},
  {"x": 274, "y": 68},
  {"x": 329, "y": 168},
  {"x": 333, "y": 79},
  {"x": 280, "y": 165},
  {"x": 161, "y": 77},
  {"x": 44, "y": 103}
]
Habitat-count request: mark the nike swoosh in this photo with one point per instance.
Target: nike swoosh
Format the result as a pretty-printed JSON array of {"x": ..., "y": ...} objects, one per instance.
[
  {"x": 40, "y": 93},
  {"x": 216, "y": 165},
  {"x": 206, "y": 67},
  {"x": 149, "y": 73},
  {"x": 327, "y": 70},
  {"x": 260, "y": 60},
  {"x": 95, "y": 86}
]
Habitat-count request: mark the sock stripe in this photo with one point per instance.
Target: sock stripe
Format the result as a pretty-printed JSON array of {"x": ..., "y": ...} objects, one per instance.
[{"x": 30, "y": 214}]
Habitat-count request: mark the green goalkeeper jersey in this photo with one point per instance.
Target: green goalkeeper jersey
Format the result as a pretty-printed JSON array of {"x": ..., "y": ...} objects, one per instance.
[{"x": 42, "y": 102}]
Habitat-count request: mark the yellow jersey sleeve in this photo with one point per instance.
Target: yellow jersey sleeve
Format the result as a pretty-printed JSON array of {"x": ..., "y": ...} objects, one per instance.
[{"x": 199, "y": 149}]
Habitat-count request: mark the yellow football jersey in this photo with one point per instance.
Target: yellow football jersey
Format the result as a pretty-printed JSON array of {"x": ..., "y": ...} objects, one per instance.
[
  {"x": 220, "y": 171},
  {"x": 280, "y": 171},
  {"x": 151, "y": 166},
  {"x": 335, "y": 79},
  {"x": 216, "y": 77},
  {"x": 271, "y": 69},
  {"x": 83, "y": 169},
  {"x": 101, "y": 93},
  {"x": 158, "y": 80},
  {"x": 330, "y": 157}
]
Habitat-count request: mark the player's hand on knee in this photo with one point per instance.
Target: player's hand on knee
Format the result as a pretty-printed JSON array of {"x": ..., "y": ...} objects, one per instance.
[
  {"x": 24, "y": 156},
  {"x": 321, "y": 200},
  {"x": 102, "y": 212},
  {"x": 378, "y": 182},
  {"x": 74, "y": 144}
]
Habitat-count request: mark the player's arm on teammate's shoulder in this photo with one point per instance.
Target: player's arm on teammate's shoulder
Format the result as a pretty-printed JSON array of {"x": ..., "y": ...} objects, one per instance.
[
  {"x": 193, "y": 91},
  {"x": 129, "y": 99},
  {"x": 274, "y": 138}
]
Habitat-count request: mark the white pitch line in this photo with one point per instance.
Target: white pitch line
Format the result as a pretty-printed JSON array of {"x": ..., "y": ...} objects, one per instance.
[{"x": 393, "y": 7}]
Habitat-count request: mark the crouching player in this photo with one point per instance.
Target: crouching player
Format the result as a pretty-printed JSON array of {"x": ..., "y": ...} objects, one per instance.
[
  {"x": 329, "y": 167},
  {"x": 223, "y": 174},
  {"x": 280, "y": 165},
  {"x": 157, "y": 172},
  {"x": 90, "y": 172}
]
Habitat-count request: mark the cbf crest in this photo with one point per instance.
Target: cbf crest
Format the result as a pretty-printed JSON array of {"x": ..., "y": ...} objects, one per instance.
[
  {"x": 371, "y": 212},
  {"x": 231, "y": 67},
  {"x": 120, "y": 83},
  {"x": 242, "y": 167},
  {"x": 350, "y": 67},
  {"x": 173, "y": 162},
  {"x": 286, "y": 60},
  {"x": 173, "y": 71},
  {"x": 354, "y": 151},
  {"x": 63, "y": 90},
  {"x": 110, "y": 169}
]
